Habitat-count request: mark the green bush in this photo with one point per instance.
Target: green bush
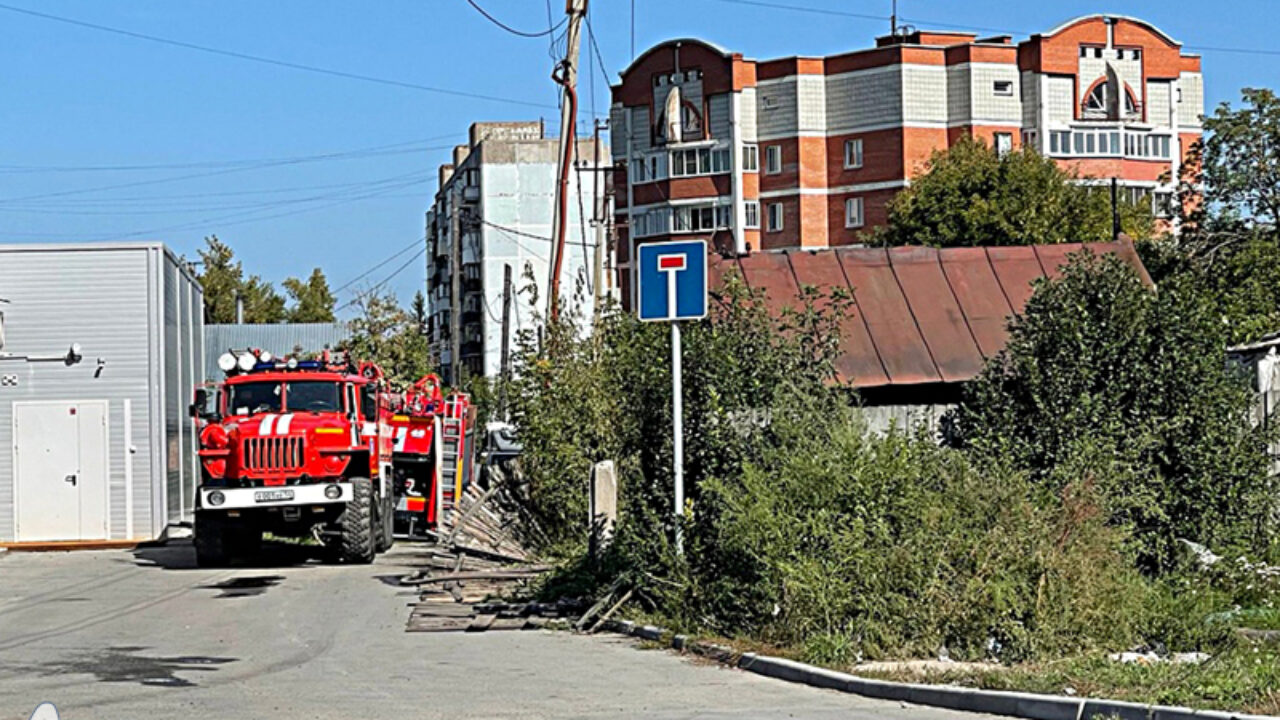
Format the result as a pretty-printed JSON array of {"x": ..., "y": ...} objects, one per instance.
[{"x": 1102, "y": 375}]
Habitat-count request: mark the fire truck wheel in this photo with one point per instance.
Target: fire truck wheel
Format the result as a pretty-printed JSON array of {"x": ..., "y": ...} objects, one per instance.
[
  {"x": 356, "y": 540},
  {"x": 386, "y": 517},
  {"x": 211, "y": 538}
]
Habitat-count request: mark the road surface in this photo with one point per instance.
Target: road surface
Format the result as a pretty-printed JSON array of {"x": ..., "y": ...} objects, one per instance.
[{"x": 143, "y": 633}]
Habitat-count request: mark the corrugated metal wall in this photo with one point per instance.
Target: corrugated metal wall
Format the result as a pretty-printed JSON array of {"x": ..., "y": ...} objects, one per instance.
[
  {"x": 280, "y": 339},
  {"x": 110, "y": 299}
]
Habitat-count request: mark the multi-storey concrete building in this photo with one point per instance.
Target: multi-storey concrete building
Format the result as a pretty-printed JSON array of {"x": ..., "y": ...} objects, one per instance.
[
  {"x": 807, "y": 151},
  {"x": 501, "y": 187}
]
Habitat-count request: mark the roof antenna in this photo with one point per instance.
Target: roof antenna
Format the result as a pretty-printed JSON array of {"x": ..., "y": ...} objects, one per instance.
[{"x": 893, "y": 19}]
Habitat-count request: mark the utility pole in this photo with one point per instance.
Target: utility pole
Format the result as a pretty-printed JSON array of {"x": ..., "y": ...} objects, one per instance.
[
  {"x": 566, "y": 74},
  {"x": 504, "y": 371},
  {"x": 455, "y": 292},
  {"x": 599, "y": 208},
  {"x": 1115, "y": 211}
]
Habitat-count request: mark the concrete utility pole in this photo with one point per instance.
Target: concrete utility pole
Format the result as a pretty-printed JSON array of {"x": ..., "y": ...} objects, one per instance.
[
  {"x": 505, "y": 368},
  {"x": 599, "y": 209},
  {"x": 455, "y": 292},
  {"x": 566, "y": 74}
]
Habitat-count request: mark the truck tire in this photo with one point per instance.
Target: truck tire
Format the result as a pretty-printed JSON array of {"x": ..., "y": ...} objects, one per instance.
[
  {"x": 386, "y": 517},
  {"x": 211, "y": 540},
  {"x": 356, "y": 529}
]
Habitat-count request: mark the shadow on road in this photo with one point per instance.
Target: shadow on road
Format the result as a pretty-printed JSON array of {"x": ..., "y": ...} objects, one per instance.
[
  {"x": 125, "y": 664},
  {"x": 180, "y": 555}
]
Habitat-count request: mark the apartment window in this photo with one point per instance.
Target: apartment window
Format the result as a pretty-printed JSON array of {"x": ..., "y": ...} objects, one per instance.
[
  {"x": 1084, "y": 51},
  {"x": 1097, "y": 52},
  {"x": 753, "y": 215},
  {"x": 853, "y": 153},
  {"x": 773, "y": 159},
  {"x": 853, "y": 213},
  {"x": 699, "y": 161},
  {"x": 1003, "y": 88},
  {"x": 702, "y": 218},
  {"x": 751, "y": 158},
  {"x": 775, "y": 217},
  {"x": 1004, "y": 143}
]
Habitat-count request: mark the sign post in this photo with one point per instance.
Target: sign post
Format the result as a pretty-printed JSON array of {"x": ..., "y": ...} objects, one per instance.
[{"x": 680, "y": 295}]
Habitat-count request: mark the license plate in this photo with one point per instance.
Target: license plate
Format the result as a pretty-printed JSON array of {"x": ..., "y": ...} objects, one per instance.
[{"x": 272, "y": 495}]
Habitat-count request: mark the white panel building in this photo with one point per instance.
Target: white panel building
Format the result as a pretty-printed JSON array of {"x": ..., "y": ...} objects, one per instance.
[{"x": 502, "y": 188}]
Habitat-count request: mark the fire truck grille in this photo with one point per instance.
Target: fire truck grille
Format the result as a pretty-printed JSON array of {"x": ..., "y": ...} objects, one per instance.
[{"x": 273, "y": 454}]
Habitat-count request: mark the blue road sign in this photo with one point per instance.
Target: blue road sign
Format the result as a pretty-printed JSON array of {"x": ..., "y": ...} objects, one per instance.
[{"x": 672, "y": 280}]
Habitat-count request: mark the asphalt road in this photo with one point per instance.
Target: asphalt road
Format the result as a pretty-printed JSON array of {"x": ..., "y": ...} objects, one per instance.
[{"x": 143, "y": 633}]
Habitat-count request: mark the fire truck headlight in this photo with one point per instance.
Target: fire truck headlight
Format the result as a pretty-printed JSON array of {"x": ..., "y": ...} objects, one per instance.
[
  {"x": 226, "y": 362},
  {"x": 247, "y": 361},
  {"x": 216, "y": 498},
  {"x": 333, "y": 492}
]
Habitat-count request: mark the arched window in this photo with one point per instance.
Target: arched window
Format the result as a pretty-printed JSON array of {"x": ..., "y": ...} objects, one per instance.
[{"x": 1098, "y": 101}]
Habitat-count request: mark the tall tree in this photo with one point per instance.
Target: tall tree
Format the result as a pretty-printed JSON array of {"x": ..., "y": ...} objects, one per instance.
[
  {"x": 388, "y": 335},
  {"x": 312, "y": 300},
  {"x": 222, "y": 279},
  {"x": 970, "y": 195}
]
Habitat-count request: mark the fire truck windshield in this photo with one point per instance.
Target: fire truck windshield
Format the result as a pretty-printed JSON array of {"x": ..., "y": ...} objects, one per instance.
[
  {"x": 313, "y": 396},
  {"x": 255, "y": 397}
]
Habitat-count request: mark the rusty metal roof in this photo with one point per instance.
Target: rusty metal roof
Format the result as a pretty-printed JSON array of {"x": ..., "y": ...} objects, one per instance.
[{"x": 920, "y": 315}]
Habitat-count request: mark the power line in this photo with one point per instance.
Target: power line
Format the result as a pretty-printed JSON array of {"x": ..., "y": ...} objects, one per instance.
[
  {"x": 269, "y": 61},
  {"x": 381, "y": 150},
  {"x": 259, "y": 166},
  {"x": 954, "y": 26},
  {"x": 799, "y": 8},
  {"x": 508, "y": 28},
  {"x": 221, "y": 219},
  {"x": 591, "y": 36},
  {"x": 371, "y": 270},
  {"x": 362, "y": 295}
]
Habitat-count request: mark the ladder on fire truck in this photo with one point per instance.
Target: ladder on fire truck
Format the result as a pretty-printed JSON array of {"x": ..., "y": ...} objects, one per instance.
[{"x": 453, "y": 445}]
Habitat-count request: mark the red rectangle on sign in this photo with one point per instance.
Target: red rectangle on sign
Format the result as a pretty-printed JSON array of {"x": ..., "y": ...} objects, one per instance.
[{"x": 671, "y": 262}]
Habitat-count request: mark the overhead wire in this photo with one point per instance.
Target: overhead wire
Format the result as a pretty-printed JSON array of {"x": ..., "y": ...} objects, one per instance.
[
  {"x": 508, "y": 28},
  {"x": 379, "y": 150},
  {"x": 954, "y": 26},
  {"x": 225, "y": 171},
  {"x": 375, "y": 268},
  {"x": 268, "y": 60},
  {"x": 360, "y": 296}
]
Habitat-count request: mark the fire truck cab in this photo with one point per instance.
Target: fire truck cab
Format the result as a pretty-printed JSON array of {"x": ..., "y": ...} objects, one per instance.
[{"x": 294, "y": 447}]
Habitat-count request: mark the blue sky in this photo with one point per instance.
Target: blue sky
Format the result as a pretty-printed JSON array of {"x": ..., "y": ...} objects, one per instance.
[{"x": 296, "y": 169}]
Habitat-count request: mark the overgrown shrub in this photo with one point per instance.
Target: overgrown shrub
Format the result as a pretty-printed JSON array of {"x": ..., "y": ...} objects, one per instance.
[{"x": 1105, "y": 376}]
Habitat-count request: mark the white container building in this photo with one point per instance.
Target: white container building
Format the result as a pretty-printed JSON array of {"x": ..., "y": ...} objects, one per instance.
[{"x": 101, "y": 347}]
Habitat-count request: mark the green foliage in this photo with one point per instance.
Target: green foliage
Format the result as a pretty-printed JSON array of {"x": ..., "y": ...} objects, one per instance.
[
  {"x": 1239, "y": 161},
  {"x": 969, "y": 195},
  {"x": 387, "y": 335},
  {"x": 1104, "y": 378},
  {"x": 312, "y": 299},
  {"x": 222, "y": 279},
  {"x": 849, "y": 545}
]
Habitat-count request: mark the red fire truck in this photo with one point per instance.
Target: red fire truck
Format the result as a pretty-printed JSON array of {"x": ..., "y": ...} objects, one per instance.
[
  {"x": 292, "y": 447},
  {"x": 431, "y": 455}
]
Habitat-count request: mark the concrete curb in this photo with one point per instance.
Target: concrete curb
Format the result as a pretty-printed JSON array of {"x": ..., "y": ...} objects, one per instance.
[{"x": 993, "y": 702}]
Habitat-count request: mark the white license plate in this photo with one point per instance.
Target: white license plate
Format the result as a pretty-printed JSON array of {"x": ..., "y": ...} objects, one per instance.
[{"x": 272, "y": 495}]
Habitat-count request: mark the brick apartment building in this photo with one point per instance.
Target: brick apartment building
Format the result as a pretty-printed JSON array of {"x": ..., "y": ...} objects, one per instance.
[{"x": 805, "y": 152}]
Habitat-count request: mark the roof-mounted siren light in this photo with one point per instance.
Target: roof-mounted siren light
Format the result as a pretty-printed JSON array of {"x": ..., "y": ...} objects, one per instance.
[
  {"x": 246, "y": 362},
  {"x": 226, "y": 362},
  {"x": 265, "y": 356},
  {"x": 292, "y": 363}
]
